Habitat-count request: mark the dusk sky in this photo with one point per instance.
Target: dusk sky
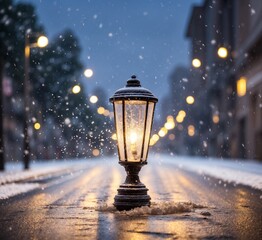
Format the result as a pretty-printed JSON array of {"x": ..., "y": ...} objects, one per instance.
[{"x": 121, "y": 38}]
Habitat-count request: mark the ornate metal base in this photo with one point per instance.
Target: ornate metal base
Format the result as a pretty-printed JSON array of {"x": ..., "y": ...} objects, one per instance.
[{"x": 132, "y": 193}]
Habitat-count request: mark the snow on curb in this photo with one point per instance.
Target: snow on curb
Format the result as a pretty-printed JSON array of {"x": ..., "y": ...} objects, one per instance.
[
  {"x": 10, "y": 190},
  {"x": 39, "y": 169},
  {"x": 240, "y": 172}
]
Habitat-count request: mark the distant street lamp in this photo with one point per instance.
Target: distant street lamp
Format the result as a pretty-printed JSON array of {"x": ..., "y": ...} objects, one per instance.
[
  {"x": 196, "y": 63},
  {"x": 88, "y": 73},
  {"x": 241, "y": 87},
  {"x": 133, "y": 110},
  {"x": 93, "y": 99},
  {"x": 190, "y": 100},
  {"x": 222, "y": 52},
  {"x": 41, "y": 42},
  {"x": 76, "y": 89}
]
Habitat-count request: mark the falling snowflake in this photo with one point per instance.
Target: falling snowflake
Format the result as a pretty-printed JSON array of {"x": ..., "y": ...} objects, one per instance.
[{"x": 213, "y": 41}]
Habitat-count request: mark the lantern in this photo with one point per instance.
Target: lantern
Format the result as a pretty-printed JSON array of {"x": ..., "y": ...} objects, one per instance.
[{"x": 133, "y": 110}]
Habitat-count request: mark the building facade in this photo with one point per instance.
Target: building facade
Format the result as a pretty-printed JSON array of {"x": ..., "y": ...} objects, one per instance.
[{"x": 226, "y": 38}]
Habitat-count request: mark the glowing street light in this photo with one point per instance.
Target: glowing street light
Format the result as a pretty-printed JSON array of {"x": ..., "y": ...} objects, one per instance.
[
  {"x": 101, "y": 110},
  {"x": 76, "y": 89},
  {"x": 191, "y": 130},
  {"x": 37, "y": 126},
  {"x": 88, "y": 73},
  {"x": 42, "y": 41},
  {"x": 162, "y": 132},
  {"x": 241, "y": 87},
  {"x": 222, "y": 52},
  {"x": 93, "y": 99},
  {"x": 215, "y": 118},
  {"x": 196, "y": 63},
  {"x": 170, "y": 125},
  {"x": 190, "y": 100},
  {"x": 182, "y": 113},
  {"x": 133, "y": 110}
]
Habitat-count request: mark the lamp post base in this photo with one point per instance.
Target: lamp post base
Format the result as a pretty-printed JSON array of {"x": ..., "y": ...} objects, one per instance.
[{"x": 132, "y": 193}]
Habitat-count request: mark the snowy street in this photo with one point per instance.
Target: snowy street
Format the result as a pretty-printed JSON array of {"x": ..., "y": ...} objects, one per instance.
[{"x": 189, "y": 200}]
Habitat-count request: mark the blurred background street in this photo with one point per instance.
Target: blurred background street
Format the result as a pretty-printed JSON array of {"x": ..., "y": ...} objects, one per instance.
[
  {"x": 201, "y": 58},
  {"x": 61, "y": 61}
]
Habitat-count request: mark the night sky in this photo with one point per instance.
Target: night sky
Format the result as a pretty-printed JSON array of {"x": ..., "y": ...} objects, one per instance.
[{"x": 123, "y": 37}]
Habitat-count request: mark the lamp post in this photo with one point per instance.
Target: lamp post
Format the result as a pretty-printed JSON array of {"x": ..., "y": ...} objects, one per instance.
[
  {"x": 133, "y": 110},
  {"x": 42, "y": 41}
]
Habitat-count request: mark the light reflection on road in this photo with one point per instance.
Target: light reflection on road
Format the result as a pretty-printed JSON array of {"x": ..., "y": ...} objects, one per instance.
[{"x": 69, "y": 208}]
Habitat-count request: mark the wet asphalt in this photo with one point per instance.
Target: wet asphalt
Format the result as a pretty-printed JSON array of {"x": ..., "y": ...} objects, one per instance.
[{"x": 69, "y": 207}]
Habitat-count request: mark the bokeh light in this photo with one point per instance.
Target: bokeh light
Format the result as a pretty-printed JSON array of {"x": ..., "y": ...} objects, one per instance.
[{"x": 88, "y": 73}]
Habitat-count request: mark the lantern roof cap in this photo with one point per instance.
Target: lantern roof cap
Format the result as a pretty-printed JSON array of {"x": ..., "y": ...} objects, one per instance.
[{"x": 133, "y": 91}]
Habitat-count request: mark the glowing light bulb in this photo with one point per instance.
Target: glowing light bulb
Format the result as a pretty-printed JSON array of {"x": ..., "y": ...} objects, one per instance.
[{"x": 133, "y": 137}]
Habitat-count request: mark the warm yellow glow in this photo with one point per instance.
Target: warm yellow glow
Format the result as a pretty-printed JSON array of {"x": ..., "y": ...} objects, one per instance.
[
  {"x": 155, "y": 137},
  {"x": 241, "y": 87},
  {"x": 179, "y": 118},
  {"x": 27, "y": 51},
  {"x": 76, "y": 89},
  {"x": 133, "y": 137},
  {"x": 170, "y": 118},
  {"x": 196, "y": 63},
  {"x": 170, "y": 125},
  {"x": 171, "y": 137},
  {"x": 96, "y": 152},
  {"x": 215, "y": 118},
  {"x": 106, "y": 113},
  {"x": 162, "y": 132},
  {"x": 190, "y": 100},
  {"x": 222, "y": 52},
  {"x": 88, "y": 73},
  {"x": 114, "y": 136},
  {"x": 100, "y": 110},
  {"x": 191, "y": 130},
  {"x": 93, "y": 99},
  {"x": 152, "y": 142},
  {"x": 37, "y": 126},
  {"x": 42, "y": 41},
  {"x": 182, "y": 113}
]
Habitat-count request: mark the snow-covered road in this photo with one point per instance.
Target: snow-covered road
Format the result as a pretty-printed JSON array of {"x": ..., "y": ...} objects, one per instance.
[{"x": 185, "y": 204}]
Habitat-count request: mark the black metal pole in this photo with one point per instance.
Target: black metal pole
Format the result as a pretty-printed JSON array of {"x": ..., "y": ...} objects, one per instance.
[
  {"x": 132, "y": 193},
  {"x": 2, "y": 160},
  {"x": 26, "y": 153}
]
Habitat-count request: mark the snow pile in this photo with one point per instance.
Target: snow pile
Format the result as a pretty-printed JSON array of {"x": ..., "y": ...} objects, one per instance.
[
  {"x": 162, "y": 208},
  {"x": 240, "y": 172},
  {"x": 13, "y": 189},
  {"x": 14, "y": 172}
]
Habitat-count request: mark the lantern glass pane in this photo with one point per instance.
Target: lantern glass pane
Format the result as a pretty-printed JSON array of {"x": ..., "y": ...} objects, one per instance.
[
  {"x": 135, "y": 111},
  {"x": 119, "y": 129},
  {"x": 150, "y": 112}
]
